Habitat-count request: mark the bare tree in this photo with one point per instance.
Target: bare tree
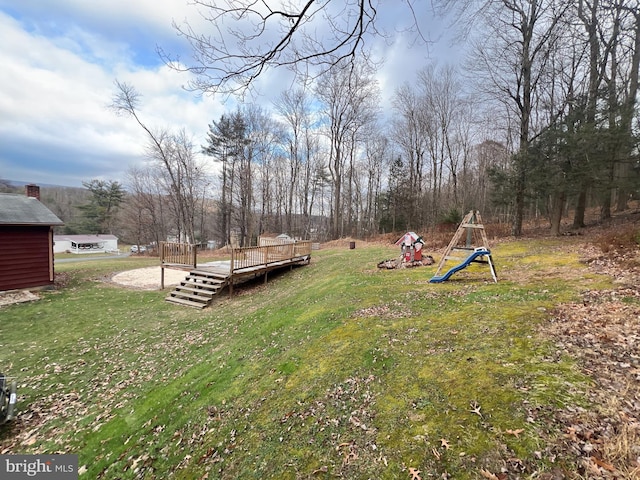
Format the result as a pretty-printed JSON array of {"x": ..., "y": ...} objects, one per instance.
[
  {"x": 446, "y": 124},
  {"x": 145, "y": 213},
  {"x": 511, "y": 61},
  {"x": 249, "y": 37},
  {"x": 309, "y": 185},
  {"x": 263, "y": 135},
  {"x": 62, "y": 201},
  {"x": 486, "y": 156},
  {"x": 349, "y": 97},
  {"x": 183, "y": 177},
  {"x": 588, "y": 14},
  {"x": 611, "y": 36},
  {"x": 409, "y": 132},
  {"x": 375, "y": 162},
  {"x": 295, "y": 108}
]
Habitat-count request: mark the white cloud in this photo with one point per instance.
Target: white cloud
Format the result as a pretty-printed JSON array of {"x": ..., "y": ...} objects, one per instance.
[
  {"x": 54, "y": 94},
  {"x": 60, "y": 60}
]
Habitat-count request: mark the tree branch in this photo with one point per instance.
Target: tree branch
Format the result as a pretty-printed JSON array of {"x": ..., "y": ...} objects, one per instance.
[{"x": 249, "y": 37}]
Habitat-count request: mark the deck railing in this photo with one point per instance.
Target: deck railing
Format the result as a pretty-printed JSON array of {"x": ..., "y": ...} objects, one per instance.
[
  {"x": 178, "y": 254},
  {"x": 247, "y": 257}
]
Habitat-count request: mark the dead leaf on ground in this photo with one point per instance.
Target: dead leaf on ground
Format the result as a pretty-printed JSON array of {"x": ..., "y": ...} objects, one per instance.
[
  {"x": 475, "y": 408},
  {"x": 488, "y": 475},
  {"x": 415, "y": 474}
]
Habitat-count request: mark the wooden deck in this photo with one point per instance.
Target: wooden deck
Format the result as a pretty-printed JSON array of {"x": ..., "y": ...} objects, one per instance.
[{"x": 206, "y": 280}]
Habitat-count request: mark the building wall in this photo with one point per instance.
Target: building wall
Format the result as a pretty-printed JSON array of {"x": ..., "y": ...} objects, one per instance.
[
  {"x": 26, "y": 257},
  {"x": 61, "y": 246},
  {"x": 63, "y": 243}
]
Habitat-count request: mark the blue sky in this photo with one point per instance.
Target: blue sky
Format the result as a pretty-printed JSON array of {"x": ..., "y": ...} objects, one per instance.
[{"x": 60, "y": 60}]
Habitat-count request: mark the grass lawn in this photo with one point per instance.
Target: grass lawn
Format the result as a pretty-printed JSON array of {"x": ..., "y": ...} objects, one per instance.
[
  {"x": 336, "y": 369},
  {"x": 78, "y": 256}
]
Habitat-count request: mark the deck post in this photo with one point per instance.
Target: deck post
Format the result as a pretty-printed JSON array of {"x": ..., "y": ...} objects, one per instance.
[{"x": 232, "y": 266}]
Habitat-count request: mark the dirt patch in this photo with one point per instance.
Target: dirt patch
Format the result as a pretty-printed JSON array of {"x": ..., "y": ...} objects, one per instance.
[
  {"x": 149, "y": 278},
  {"x": 9, "y": 298},
  {"x": 140, "y": 279}
]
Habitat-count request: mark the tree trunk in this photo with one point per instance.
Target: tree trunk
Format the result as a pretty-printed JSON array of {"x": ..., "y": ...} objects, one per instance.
[
  {"x": 581, "y": 207},
  {"x": 557, "y": 208},
  {"x": 518, "y": 214},
  {"x": 627, "y": 117}
]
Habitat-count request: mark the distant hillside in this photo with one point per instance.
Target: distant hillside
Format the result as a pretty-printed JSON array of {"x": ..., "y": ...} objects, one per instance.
[
  {"x": 20, "y": 184},
  {"x": 63, "y": 201}
]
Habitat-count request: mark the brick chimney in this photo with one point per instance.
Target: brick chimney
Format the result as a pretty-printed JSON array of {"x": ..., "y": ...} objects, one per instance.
[{"x": 33, "y": 191}]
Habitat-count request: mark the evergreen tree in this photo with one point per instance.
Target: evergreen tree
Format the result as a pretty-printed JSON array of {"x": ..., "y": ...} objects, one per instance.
[
  {"x": 225, "y": 142},
  {"x": 396, "y": 201},
  {"x": 98, "y": 214}
]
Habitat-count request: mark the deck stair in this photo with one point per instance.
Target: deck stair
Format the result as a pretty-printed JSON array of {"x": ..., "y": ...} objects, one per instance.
[
  {"x": 198, "y": 288},
  {"x": 246, "y": 263}
]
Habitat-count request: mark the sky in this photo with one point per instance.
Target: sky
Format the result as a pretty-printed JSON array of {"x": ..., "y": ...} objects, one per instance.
[{"x": 61, "y": 59}]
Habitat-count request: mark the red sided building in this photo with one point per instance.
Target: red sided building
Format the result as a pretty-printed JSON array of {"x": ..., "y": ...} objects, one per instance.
[{"x": 26, "y": 241}]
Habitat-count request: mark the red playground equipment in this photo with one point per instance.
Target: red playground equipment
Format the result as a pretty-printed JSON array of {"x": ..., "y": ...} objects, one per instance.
[{"x": 411, "y": 244}]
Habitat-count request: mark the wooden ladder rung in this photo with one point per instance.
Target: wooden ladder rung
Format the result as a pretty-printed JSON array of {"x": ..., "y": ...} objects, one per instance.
[{"x": 464, "y": 226}]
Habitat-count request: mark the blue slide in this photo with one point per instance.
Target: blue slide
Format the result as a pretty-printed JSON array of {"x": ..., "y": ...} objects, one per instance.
[{"x": 478, "y": 252}]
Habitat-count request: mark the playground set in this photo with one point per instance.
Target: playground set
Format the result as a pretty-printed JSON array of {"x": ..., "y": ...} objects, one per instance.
[
  {"x": 410, "y": 253},
  {"x": 472, "y": 229},
  {"x": 411, "y": 244},
  {"x": 474, "y": 250}
]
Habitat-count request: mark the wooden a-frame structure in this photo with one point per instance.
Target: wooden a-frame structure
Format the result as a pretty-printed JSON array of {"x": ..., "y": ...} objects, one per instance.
[{"x": 475, "y": 237}]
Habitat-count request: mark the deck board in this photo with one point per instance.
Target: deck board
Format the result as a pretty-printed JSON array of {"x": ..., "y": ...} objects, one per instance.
[{"x": 224, "y": 268}]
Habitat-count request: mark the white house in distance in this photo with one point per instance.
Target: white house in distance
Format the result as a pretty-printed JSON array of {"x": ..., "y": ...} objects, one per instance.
[
  {"x": 271, "y": 239},
  {"x": 85, "y": 243}
]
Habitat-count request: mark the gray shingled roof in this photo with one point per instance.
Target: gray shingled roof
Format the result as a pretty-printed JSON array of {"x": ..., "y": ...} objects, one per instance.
[
  {"x": 84, "y": 238},
  {"x": 23, "y": 210}
]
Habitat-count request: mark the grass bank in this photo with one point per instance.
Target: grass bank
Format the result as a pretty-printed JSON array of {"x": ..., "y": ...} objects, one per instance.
[{"x": 334, "y": 369}]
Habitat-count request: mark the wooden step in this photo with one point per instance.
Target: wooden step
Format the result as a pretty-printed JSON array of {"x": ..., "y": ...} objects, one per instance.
[
  {"x": 179, "y": 292},
  {"x": 198, "y": 289},
  {"x": 199, "y": 299},
  {"x": 185, "y": 291},
  {"x": 188, "y": 303},
  {"x": 205, "y": 282},
  {"x": 208, "y": 274},
  {"x": 202, "y": 291}
]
